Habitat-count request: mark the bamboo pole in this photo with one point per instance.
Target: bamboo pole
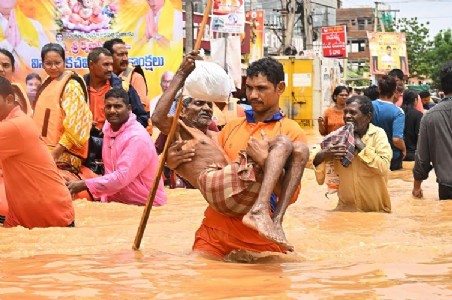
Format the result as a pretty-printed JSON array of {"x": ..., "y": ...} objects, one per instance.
[{"x": 158, "y": 175}]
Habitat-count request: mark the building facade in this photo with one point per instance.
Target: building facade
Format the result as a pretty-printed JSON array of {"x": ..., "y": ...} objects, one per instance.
[{"x": 358, "y": 21}]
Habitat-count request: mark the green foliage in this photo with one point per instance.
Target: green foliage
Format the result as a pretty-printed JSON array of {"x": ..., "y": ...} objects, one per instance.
[
  {"x": 439, "y": 54},
  {"x": 418, "y": 45},
  {"x": 356, "y": 77}
]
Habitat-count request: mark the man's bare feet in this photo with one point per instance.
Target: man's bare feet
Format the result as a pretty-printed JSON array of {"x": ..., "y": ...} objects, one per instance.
[
  {"x": 262, "y": 223},
  {"x": 285, "y": 245}
]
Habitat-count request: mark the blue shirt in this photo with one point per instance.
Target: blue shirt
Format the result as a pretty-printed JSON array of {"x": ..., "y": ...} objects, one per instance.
[{"x": 392, "y": 119}]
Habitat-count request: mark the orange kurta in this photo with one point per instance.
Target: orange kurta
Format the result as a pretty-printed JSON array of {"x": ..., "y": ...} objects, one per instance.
[
  {"x": 97, "y": 103},
  {"x": 36, "y": 193},
  {"x": 220, "y": 234},
  {"x": 335, "y": 119},
  {"x": 139, "y": 85}
]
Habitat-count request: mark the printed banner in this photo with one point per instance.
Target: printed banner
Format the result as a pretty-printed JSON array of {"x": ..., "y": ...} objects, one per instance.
[
  {"x": 311, "y": 53},
  {"x": 228, "y": 16},
  {"x": 208, "y": 34},
  {"x": 334, "y": 41},
  {"x": 387, "y": 52},
  {"x": 256, "y": 19},
  {"x": 332, "y": 76},
  {"x": 152, "y": 30}
]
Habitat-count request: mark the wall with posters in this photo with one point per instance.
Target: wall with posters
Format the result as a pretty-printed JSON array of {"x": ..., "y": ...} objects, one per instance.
[
  {"x": 153, "y": 33},
  {"x": 332, "y": 73},
  {"x": 387, "y": 52}
]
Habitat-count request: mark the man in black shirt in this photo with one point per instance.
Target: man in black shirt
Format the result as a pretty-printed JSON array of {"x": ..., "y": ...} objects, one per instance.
[{"x": 435, "y": 142}]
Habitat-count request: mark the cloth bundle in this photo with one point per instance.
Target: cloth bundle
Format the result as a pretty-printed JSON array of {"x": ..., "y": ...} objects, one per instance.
[
  {"x": 344, "y": 135},
  {"x": 208, "y": 82}
]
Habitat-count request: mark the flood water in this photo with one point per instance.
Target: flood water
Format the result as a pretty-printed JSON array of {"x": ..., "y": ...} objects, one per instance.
[{"x": 339, "y": 255}]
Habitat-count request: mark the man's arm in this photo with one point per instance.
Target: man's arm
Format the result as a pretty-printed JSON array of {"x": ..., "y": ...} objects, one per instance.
[
  {"x": 400, "y": 144},
  {"x": 160, "y": 117},
  {"x": 422, "y": 164},
  {"x": 337, "y": 151},
  {"x": 398, "y": 127},
  {"x": 177, "y": 156},
  {"x": 131, "y": 162},
  {"x": 11, "y": 140}
]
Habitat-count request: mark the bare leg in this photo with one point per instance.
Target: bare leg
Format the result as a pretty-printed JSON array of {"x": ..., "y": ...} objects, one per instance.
[
  {"x": 258, "y": 217},
  {"x": 294, "y": 171}
]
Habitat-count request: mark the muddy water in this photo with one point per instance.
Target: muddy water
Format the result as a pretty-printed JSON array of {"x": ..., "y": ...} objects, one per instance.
[{"x": 339, "y": 255}]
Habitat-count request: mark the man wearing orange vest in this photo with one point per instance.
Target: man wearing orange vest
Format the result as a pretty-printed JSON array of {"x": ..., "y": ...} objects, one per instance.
[
  {"x": 131, "y": 75},
  {"x": 36, "y": 193},
  {"x": 100, "y": 80}
]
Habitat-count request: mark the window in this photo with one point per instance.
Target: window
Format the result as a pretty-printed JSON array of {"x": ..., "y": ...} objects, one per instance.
[{"x": 361, "y": 24}]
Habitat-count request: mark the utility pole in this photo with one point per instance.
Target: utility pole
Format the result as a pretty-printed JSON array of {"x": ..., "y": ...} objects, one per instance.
[
  {"x": 189, "y": 26},
  {"x": 307, "y": 25},
  {"x": 376, "y": 16},
  {"x": 290, "y": 23}
]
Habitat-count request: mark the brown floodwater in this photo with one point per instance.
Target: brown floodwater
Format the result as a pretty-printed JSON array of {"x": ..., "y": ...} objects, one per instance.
[{"x": 339, "y": 255}]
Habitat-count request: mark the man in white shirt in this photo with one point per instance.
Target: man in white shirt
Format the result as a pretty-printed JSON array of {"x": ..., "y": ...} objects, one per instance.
[{"x": 165, "y": 81}]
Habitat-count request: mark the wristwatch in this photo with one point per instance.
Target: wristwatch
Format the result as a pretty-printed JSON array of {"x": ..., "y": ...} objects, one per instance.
[{"x": 157, "y": 37}]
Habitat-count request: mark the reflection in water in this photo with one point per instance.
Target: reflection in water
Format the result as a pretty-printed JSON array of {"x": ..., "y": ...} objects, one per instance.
[{"x": 403, "y": 255}]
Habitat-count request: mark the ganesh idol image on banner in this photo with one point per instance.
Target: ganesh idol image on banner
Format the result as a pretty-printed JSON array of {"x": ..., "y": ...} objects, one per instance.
[{"x": 85, "y": 15}]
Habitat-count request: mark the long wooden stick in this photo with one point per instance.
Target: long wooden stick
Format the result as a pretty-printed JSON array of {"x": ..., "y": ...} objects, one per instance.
[{"x": 155, "y": 184}]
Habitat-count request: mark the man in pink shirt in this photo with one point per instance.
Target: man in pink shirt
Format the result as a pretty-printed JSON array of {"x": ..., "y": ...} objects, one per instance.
[{"x": 129, "y": 157}]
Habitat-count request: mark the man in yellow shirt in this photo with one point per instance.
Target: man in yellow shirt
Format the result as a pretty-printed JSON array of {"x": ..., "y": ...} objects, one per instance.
[{"x": 363, "y": 185}]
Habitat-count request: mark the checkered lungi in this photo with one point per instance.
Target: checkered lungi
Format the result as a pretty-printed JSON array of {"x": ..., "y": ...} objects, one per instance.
[{"x": 232, "y": 190}]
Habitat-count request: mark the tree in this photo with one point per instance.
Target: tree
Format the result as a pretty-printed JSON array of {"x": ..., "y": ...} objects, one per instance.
[
  {"x": 439, "y": 54},
  {"x": 418, "y": 45}
]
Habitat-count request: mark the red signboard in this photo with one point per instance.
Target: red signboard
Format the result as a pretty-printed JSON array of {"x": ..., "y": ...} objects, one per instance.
[{"x": 334, "y": 41}]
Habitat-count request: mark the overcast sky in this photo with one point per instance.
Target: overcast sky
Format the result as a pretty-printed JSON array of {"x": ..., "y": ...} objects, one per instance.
[{"x": 437, "y": 12}]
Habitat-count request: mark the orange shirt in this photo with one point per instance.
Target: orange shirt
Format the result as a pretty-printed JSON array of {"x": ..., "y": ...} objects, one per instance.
[
  {"x": 139, "y": 85},
  {"x": 36, "y": 193},
  {"x": 233, "y": 138},
  {"x": 97, "y": 103},
  {"x": 335, "y": 119}
]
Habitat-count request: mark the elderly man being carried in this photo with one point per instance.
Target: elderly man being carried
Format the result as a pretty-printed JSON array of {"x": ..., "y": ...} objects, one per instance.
[{"x": 239, "y": 188}]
